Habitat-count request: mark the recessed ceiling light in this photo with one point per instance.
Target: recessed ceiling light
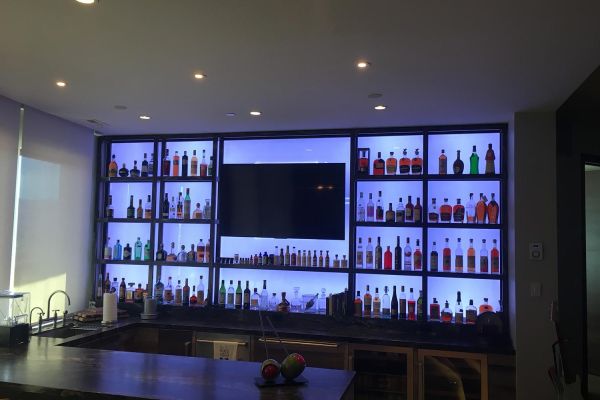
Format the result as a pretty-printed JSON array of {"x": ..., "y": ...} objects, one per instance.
[
  {"x": 61, "y": 83},
  {"x": 255, "y": 113},
  {"x": 380, "y": 107},
  {"x": 363, "y": 64},
  {"x": 230, "y": 114},
  {"x": 144, "y": 117},
  {"x": 86, "y": 1},
  {"x": 199, "y": 76}
]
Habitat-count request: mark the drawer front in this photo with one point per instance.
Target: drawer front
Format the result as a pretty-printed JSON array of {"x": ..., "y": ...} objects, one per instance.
[{"x": 316, "y": 353}]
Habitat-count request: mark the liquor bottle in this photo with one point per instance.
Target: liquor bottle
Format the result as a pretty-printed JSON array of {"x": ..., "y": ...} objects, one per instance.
[
  {"x": 135, "y": 172},
  {"x": 420, "y": 314},
  {"x": 470, "y": 210},
  {"x": 200, "y": 292},
  {"x": 230, "y": 296},
  {"x": 191, "y": 255},
  {"x": 363, "y": 164},
  {"x": 446, "y": 313},
  {"x": 326, "y": 258},
  {"x": 107, "y": 283},
  {"x": 168, "y": 293},
  {"x": 378, "y": 263},
  {"x": 284, "y": 305},
  {"x": 434, "y": 310},
  {"x": 171, "y": 256},
  {"x": 495, "y": 256},
  {"x": 296, "y": 304},
  {"x": 151, "y": 165},
  {"x": 433, "y": 215},
  {"x": 411, "y": 306},
  {"x": 117, "y": 251},
  {"x": 315, "y": 262},
  {"x": 490, "y": 169},
  {"x": 161, "y": 254},
  {"x": 127, "y": 252},
  {"x": 179, "y": 207},
  {"x": 378, "y": 165},
  {"x": 358, "y": 305},
  {"x": 367, "y": 301},
  {"x": 286, "y": 257},
  {"x": 184, "y": 164},
  {"x": 273, "y": 302},
  {"x": 474, "y": 162},
  {"x": 203, "y": 166},
  {"x": 147, "y": 251},
  {"x": 194, "y": 164},
  {"x": 481, "y": 209},
  {"x": 186, "y": 293},
  {"x": 254, "y": 300},
  {"x": 407, "y": 256},
  {"x": 360, "y": 209},
  {"x": 471, "y": 313},
  {"x": 458, "y": 212},
  {"x": 485, "y": 307},
  {"x": 144, "y": 172},
  {"x": 404, "y": 166},
  {"x": 239, "y": 296},
  {"x": 210, "y": 169},
  {"x": 433, "y": 259},
  {"x": 293, "y": 260},
  {"x": 197, "y": 214},
  {"x": 139, "y": 212},
  {"x": 107, "y": 253},
  {"x": 264, "y": 297},
  {"x": 148, "y": 208},
  {"x": 390, "y": 214},
  {"x": 379, "y": 209},
  {"x": 394, "y": 305},
  {"x": 458, "y": 257},
  {"x": 397, "y": 255},
  {"x": 471, "y": 258},
  {"x": 446, "y": 257},
  {"x": 176, "y": 163},
  {"x": 246, "y": 301},
  {"x": 402, "y": 304},
  {"x": 369, "y": 254},
  {"x": 159, "y": 289},
  {"x": 492, "y": 211},
  {"x": 483, "y": 259},
  {"x": 458, "y": 310},
  {"x": 207, "y": 212},
  {"x": 166, "y": 164},
  {"x": 130, "y": 209},
  {"x": 370, "y": 209},
  {"x": 458, "y": 166},
  {"x": 418, "y": 212},
  {"x": 387, "y": 259},
  {"x": 445, "y": 211},
  {"x": 336, "y": 262},
  {"x": 418, "y": 258},
  {"x": 113, "y": 167},
  {"x": 416, "y": 164},
  {"x": 193, "y": 298},
  {"x": 400, "y": 211},
  {"x": 386, "y": 312},
  {"x": 207, "y": 253},
  {"x": 200, "y": 251},
  {"x": 391, "y": 164},
  {"x": 409, "y": 215},
  {"x": 187, "y": 204},
  {"x": 344, "y": 263},
  {"x": 173, "y": 209},
  {"x": 178, "y": 294},
  {"x": 122, "y": 289},
  {"x": 443, "y": 163},
  {"x": 110, "y": 211},
  {"x": 303, "y": 262},
  {"x": 123, "y": 172}
]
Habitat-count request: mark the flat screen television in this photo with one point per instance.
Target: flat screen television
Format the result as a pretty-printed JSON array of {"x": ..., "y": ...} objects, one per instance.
[{"x": 305, "y": 201}]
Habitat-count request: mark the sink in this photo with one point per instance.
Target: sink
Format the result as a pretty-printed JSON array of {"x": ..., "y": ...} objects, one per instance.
[{"x": 65, "y": 332}]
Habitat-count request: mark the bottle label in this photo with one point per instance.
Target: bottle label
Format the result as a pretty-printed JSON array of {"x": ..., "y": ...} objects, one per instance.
[
  {"x": 434, "y": 311},
  {"x": 489, "y": 167},
  {"x": 378, "y": 167},
  {"x": 168, "y": 295},
  {"x": 370, "y": 213},
  {"x": 446, "y": 263},
  {"x": 404, "y": 168},
  {"x": 445, "y": 215},
  {"x": 433, "y": 217},
  {"x": 495, "y": 265},
  {"x": 200, "y": 296},
  {"x": 221, "y": 298},
  {"x": 363, "y": 165},
  {"x": 390, "y": 216},
  {"x": 246, "y": 297},
  {"x": 376, "y": 309},
  {"x": 416, "y": 168},
  {"x": 400, "y": 216},
  {"x": 394, "y": 312},
  {"x": 379, "y": 214},
  {"x": 229, "y": 298},
  {"x": 369, "y": 258},
  {"x": 471, "y": 316},
  {"x": 411, "y": 309},
  {"x": 459, "y": 214},
  {"x": 458, "y": 264},
  {"x": 458, "y": 318},
  {"x": 402, "y": 308},
  {"x": 254, "y": 303},
  {"x": 433, "y": 263},
  {"x": 408, "y": 214},
  {"x": 391, "y": 167},
  {"x": 378, "y": 259},
  {"x": 418, "y": 261},
  {"x": 470, "y": 264},
  {"x": 238, "y": 298},
  {"x": 443, "y": 167},
  {"x": 408, "y": 260},
  {"x": 417, "y": 214},
  {"x": 483, "y": 264},
  {"x": 358, "y": 309}
]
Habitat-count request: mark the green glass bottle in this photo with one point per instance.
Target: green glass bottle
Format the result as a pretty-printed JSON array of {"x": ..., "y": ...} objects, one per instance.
[
  {"x": 222, "y": 294},
  {"x": 420, "y": 306},
  {"x": 238, "y": 296},
  {"x": 474, "y": 162},
  {"x": 147, "y": 252}
]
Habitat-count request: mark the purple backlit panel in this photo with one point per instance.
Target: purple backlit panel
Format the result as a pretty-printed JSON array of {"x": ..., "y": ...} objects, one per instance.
[
  {"x": 380, "y": 281},
  {"x": 181, "y": 273},
  {"x": 390, "y": 192},
  {"x": 129, "y": 152},
  {"x": 120, "y": 193},
  {"x": 445, "y": 289},
  {"x": 387, "y": 144},
  {"x": 128, "y": 233},
  {"x": 388, "y": 237},
  {"x": 453, "y": 190},
  {"x": 190, "y": 146},
  {"x": 131, "y": 273},
  {"x": 184, "y": 234},
  {"x": 464, "y": 143}
]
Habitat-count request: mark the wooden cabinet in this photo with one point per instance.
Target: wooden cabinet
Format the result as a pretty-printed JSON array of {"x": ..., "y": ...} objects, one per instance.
[
  {"x": 322, "y": 354},
  {"x": 204, "y": 344}
]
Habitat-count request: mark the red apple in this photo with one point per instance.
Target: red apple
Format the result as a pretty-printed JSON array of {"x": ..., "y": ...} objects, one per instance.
[
  {"x": 292, "y": 366},
  {"x": 269, "y": 369}
]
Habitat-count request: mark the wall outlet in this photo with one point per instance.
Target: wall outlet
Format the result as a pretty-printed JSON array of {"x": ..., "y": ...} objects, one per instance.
[{"x": 536, "y": 251}]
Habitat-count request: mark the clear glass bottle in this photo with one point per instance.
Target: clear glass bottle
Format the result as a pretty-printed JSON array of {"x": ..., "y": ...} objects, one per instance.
[
  {"x": 433, "y": 215},
  {"x": 474, "y": 162},
  {"x": 400, "y": 210},
  {"x": 182, "y": 255},
  {"x": 197, "y": 214},
  {"x": 411, "y": 306},
  {"x": 230, "y": 302},
  {"x": 458, "y": 257},
  {"x": 360, "y": 212},
  {"x": 178, "y": 294},
  {"x": 370, "y": 209},
  {"x": 376, "y": 304},
  {"x": 446, "y": 313},
  {"x": 407, "y": 256},
  {"x": 148, "y": 208},
  {"x": 273, "y": 302},
  {"x": 138, "y": 247},
  {"x": 207, "y": 212},
  {"x": 443, "y": 163},
  {"x": 176, "y": 160},
  {"x": 194, "y": 164},
  {"x": 447, "y": 257},
  {"x": 168, "y": 293},
  {"x": 296, "y": 304},
  {"x": 200, "y": 291},
  {"x": 254, "y": 300},
  {"x": 386, "y": 312},
  {"x": 110, "y": 211},
  {"x": 359, "y": 255},
  {"x": 458, "y": 212},
  {"x": 108, "y": 251},
  {"x": 369, "y": 255},
  {"x": 264, "y": 297},
  {"x": 173, "y": 209},
  {"x": 113, "y": 167},
  {"x": 483, "y": 259},
  {"x": 485, "y": 306},
  {"x": 470, "y": 210},
  {"x": 471, "y": 313}
]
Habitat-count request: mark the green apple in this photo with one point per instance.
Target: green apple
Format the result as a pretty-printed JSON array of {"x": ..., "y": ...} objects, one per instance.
[{"x": 292, "y": 366}]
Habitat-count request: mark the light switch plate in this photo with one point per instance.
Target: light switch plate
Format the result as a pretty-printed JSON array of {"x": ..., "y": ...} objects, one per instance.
[{"x": 536, "y": 251}]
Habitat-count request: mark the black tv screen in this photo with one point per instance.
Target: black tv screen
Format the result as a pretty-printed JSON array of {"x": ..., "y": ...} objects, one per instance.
[{"x": 282, "y": 200}]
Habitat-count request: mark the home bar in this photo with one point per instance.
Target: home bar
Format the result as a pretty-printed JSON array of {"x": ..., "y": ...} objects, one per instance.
[{"x": 259, "y": 200}]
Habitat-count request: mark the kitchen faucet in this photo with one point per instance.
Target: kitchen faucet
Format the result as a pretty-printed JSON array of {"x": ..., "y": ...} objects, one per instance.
[{"x": 50, "y": 298}]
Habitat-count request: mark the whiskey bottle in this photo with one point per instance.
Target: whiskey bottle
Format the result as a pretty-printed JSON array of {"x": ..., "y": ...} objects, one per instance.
[
  {"x": 458, "y": 257},
  {"x": 326, "y": 258},
  {"x": 397, "y": 255},
  {"x": 207, "y": 211},
  {"x": 193, "y": 298},
  {"x": 139, "y": 212},
  {"x": 418, "y": 258},
  {"x": 173, "y": 209},
  {"x": 360, "y": 209},
  {"x": 321, "y": 259},
  {"x": 471, "y": 313},
  {"x": 369, "y": 254},
  {"x": 179, "y": 207},
  {"x": 418, "y": 212},
  {"x": 113, "y": 167},
  {"x": 443, "y": 163},
  {"x": 314, "y": 259},
  {"x": 416, "y": 164},
  {"x": 110, "y": 212},
  {"x": 303, "y": 260},
  {"x": 485, "y": 307},
  {"x": 239, "y": 296},
  {"x": 458, "y": 212},
  {"x": 470, "y": 210},
  {"x": 293, "y": 258},
  {"x": 123, "y": 172},
  {"x": 130, "y": 209},
  {"x": 254, "y": 300},
  {"x": 145, "y": 166},
  {"x": 481, "y": 209},
  {"x": 194, "y": 164},
  {"x": 191, "y": 255},
  {"x": 276, "y": 255},
  {"x": 474, "y": 162},
  {"x": 284, "y": 305},
  {"x": 344, "y": 262},
  {"x": 390, "y": 214},
  {"x": 168, "y": 293},
  {"x": 107, "y": 283},
  {"x": 379, "y": 210},
  {"x": 495, "y": 256},
  {"x": 203, "y": 166},
  {"x": 400, "y": 211},
  {"x": 402, "y": 304},
  {"x": 407, "y": 256},
  {"x": 147, "y": 251},
  {"x": 138, "y": 249},
  {"x": 387, "y": 259},
  {"x": 359, "y": 255},
  {"x": 483, "y": 259},
  {"x": 404, "y": 166},
  {"x": 367, "y": 302},
  {"x": 386, "y": 312},
  {"x": 161, "y": 254},
  {"x": 135, "y": 172},
  {"x": 358, "y": 305},
  {"x": 176, "y": 163},
  {"x": 471, "y": 258},
  {"x": 186, "y": 293},
  {"x": 184, "y": 164},
  {"x": 445, "y": 211},
  {"x": 172, "y": 256},
  {"x": 264, "y": 297},
  {"x": 490, "y": 169},
  {"x": 458, "y": 310},
  {"x": 200, "y": 292},
  {"x": 446, "y": 257},
  {"x": 370, "y": 209},
  {"x": 148, "y": 208},
  {"x": 433, "y": 259},
  {"x": 107, "y": 253},
  {"x": 246, "y": 301},
  {"x": 434, "y": 310},
  {"x": 420, "y": 314},
  {"x": 408, "y": 211},
  {"x": 178, "y": 294},
  {"x": 200, "y": 252},
  {"x": 394, "y": 305},
  {"x": 187, "y": 204},
  {"x": 458, "y": 166},
  {"x": 378, "y": 165},
  {"x": 336, "y": 262},
  {"x": 127, "y": 252},
  {"x": 446, "y": 313},
  {"x": 378, "y": 254},
  {"x": 411, "y": 306},
  {"x": 433, "y": 215},
  {"x": 197, "y": 212},
  {"x": 492, "y": 211},
  {"x": 211, "y": 167},
  {"x": 230, "y": 303},
  {"x": 391, "y": 164},
  {"x": 363, "y": 164},
  {"x": 117, "y": 251},
  {"x": 151, "y": 165},
  {"x": 159, "y": 288},
  {"x": 166, "y": 164}
]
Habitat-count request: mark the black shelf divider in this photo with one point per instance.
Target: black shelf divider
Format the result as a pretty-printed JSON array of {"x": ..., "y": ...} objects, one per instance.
[
  {"x": 127, "y": 262},
  {"x": 128, "y": 179},
  {"x": 284, "y": 268},
  {"x": 390, "y": 224},
  {"x": 390, "y": 178},
  {"x": 182, "y": 264},
  {"x": 186, "y": 221},
  {"x": 189, "y": 179},
  {"x": 463, "y": 226},
  {"x": 127, "y": 220},
  {"x": 387, "y": 272}
]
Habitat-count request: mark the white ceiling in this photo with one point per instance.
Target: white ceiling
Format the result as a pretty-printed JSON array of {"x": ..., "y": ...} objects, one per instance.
[{"x": 435, "y": 62}]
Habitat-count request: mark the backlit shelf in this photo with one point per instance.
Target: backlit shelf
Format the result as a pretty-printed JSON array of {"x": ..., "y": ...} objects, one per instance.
[
  {"x": 127, "y": 262},
  {"x": 186, "y": 221},
  {"x": 388, "y": 272},
  {"x": 390, "y": 224},
  {"x": 182, "y": 264},
  {"x": 186, "y": 178},
  {"x": 368, "y": 178},
  {"x": 128, "y": 179},
  {"x": 464, "y": 275},
  {"x": 284, "y": 268},
  {"x": 127, "y": 220}
]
